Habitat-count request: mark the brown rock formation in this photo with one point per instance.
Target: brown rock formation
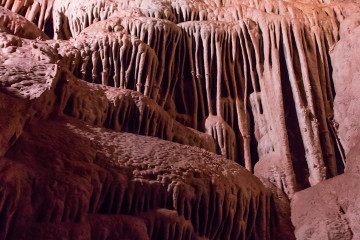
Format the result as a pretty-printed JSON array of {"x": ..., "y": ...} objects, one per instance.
[
  {"x": 131, "y": 175},
  {"x": 333, "y": 212},
  {"x": 132, "y": 119},
  {"x": 61, "y": 173},
  {"x": 346, "y": 72},
  {"x": 37, "y": 11},
  {"x": 329, "y": 210},
  {"x": 15, "y": 24}
]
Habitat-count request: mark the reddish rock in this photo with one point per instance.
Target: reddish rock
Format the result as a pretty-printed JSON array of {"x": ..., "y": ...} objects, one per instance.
[{"x": 138, "y": 119}]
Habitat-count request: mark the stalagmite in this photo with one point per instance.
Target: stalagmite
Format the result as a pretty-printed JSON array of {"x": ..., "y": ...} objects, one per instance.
[{"x": 223, "y": 135}]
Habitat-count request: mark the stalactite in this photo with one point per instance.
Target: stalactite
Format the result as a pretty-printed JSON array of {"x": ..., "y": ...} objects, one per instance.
[
  {"x": 210, "y": 67},
  {"x": 127, "y": 111},
  {"x": 15, "y": 24},
  {"x": 258, "y": 67},
  {"x": 162, "y": 36},
  {"x": 213, "y": 74},
  {"x": 37, "y": 11},
  {"x": 70, "y": 17},
  {"x": 172, "y": 200},
  {"x": 115, "y": 59},
  {"x": 168, "y": 224}
]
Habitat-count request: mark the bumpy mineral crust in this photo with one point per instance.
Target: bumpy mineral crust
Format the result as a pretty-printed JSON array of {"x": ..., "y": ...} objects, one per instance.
[{"x": 132, "y": 175}]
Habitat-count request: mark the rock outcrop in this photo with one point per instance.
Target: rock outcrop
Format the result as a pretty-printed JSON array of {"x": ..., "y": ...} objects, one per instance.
[
  {"x": 330, "y": 210},
  {"x": 162, "y": 183},
  {"x": 15, "y": 24},
  {"x": 346, "y": 75}
]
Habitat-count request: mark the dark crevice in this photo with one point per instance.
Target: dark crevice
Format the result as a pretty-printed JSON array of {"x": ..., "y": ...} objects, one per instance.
[
  {"x": 48, "y": 28},
  {"x": 330, "y": 68},
  {"x": 69, "y": 106},
  {"x": 296, "y": 145},
  {"x": 213, "y": 77},
  {"x": 339, "y": 151},
  {"x": 111, "y": 81},
  {"x": 12, "y": 139},
  {"x": 253, "y": 142},
  {"x": 99, "y": 69},
  {"x": 261, "y": 50}
]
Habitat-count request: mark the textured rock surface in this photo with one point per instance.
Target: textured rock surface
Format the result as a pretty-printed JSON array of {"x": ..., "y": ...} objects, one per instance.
[
  {"x": 27, "y": 74},
  {"x": 130, "y": 119},
  {"x": 346, "y": 72},
  {"x": 120, "y": 173},
  {"x": 331, "y": 210},
  {"x": 58, "y": 175},
  {"x": 13, "y": 23},
  {"x": 126, "y": 110}
]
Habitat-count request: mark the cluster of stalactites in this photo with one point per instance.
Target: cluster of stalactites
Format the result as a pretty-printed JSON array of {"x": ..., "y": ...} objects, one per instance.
[
  {"x": 37, "y": 11},
  {"x": 215, "y": 67},
  {"x": 163, "y": 36},
  {"x": 118, "y": 42},
  {"x": 226, "y": 63},
  {"x": 114, "y": 59}
]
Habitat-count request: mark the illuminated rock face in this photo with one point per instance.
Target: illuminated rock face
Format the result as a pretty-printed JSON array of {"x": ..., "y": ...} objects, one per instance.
[
  {"x": 136, "y": 119},
  {"x": 331, "y": 209}
]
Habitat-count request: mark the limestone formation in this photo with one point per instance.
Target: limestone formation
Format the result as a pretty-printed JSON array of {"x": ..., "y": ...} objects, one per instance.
[
  {"x": 329, "y": 210},
  {"x": 127, "y": 111},
  {"x": 15, "y": 24},
  {"x": 346, "y": 72},
  {"x": 333, "y": 211},
  {"x": 137, "y": 119},
  {"x": 132, "y": 175},
  {"x": 37, "y": 11}
]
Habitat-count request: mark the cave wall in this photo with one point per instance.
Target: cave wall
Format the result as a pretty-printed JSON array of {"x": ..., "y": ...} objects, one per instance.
[
  {"x": 264, "y": 84},
  {"x": 254, "y": 76}
]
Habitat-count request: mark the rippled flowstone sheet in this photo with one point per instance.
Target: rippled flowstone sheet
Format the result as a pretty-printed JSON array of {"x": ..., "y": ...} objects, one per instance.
[{"x": 187, "y": 119}]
